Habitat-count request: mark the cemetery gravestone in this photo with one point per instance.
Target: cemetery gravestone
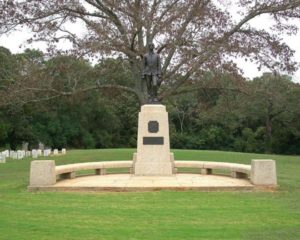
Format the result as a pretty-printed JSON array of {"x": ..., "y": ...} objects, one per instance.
[
  {"x": 2, "y": 158},
  {"x": 41, "y": 146},
  {"x": 34, "y": 153},
  {"x": 14, "y": 155},
  {"x": 25, "y": 146},
  {"x": 19, "y": 154},
  {"x": 47, "y": 152},
  {"x": 39, "y": 152},
  {"x": 6, "y": 153}
]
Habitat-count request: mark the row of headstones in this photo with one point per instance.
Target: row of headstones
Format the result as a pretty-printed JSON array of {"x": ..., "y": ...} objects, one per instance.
[{"x": 35, "y": 153}]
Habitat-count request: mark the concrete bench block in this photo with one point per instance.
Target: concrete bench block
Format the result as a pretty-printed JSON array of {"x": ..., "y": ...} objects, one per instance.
[
  {"x": 206, "y": 171},
  {"x": 42, "y": 173},
  {"x": 117, "y": 164},
  {"x": 242, "y": 169},
  {"x": 101, "y": 171},
  {"x": 239, "y": 175},
  {"x": 92, "y": 166},
  {"x": 263, "y": 172},
  {"x": 188, "y": 164},
  {"x": 217, "y": 165},
  {"x": 68, "y": 175}
]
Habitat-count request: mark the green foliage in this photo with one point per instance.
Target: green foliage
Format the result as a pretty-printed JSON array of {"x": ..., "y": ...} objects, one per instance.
[
  {"x": 250, "y": 141},
  {"x": 7, "y": 65},
  {"x": 264, "y": 119},
  {"x": 261, "y": 116},
  {"x": 114, "y": 71}
]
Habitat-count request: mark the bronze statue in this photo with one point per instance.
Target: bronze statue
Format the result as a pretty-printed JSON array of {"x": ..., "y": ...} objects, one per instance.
[{"x": 152, "y": 73}]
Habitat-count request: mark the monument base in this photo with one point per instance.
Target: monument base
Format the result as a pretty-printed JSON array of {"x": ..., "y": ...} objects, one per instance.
[
  {"x": 130, "y": 183},
  {"x": 143, "y": 168},
  {"x": 153, "y": 157}
]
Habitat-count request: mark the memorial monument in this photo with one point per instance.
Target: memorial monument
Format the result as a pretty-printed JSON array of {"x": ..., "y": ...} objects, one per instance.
[
  {"x": 153, "y": 155},
  {"x": 153, "y": 165}
]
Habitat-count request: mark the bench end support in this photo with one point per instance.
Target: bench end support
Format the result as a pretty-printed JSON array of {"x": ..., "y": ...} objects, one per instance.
[{"x": 42, "y": 173}]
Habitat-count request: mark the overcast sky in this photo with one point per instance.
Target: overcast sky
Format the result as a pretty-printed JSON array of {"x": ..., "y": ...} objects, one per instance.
[{"x": 18, "y": 38}]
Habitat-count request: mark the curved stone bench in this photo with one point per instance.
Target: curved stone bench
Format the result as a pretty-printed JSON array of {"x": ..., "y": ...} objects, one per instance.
[
  {"x": 45, "y": 173},
  {"x": 69, "y": 170},
  {"x": 237, "y": 170}
]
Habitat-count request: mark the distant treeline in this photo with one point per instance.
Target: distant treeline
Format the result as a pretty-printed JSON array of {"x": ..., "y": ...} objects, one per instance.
[{"x": 260, "y": 116}]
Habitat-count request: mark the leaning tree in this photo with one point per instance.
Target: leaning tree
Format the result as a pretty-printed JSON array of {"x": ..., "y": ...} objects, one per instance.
[{"x": 194, "y": 37}]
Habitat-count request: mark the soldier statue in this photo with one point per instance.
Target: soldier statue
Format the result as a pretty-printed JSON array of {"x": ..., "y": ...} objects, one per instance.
[{"x": 152, "y": 73}]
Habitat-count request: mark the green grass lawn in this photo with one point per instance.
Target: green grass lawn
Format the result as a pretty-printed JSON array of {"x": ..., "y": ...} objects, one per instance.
[{"x": 150, "y": 215}]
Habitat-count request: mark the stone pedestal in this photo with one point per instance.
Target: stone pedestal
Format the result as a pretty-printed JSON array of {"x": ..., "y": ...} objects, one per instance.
[
  {"x": 153, "y": 157},
  {"x": 42, "y": 173},
  {"x": 263, "y": 172}
]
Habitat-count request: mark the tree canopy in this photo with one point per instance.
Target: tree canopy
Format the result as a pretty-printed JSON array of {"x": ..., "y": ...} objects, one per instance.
[
  {"x": 264, "y": 117},
  {"x": 193, "y": 36}
]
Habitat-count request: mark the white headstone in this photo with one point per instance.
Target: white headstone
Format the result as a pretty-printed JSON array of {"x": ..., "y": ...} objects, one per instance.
[
  {"x": 14, "y": 155},
  {"x": 39, "y": 152},
  {"x": 20, "y": 154},
  {"x": 34, "y": 153},
  {"x": 6, "y": 153},
  {"x": 28, "y": 154},
  {"x": 47, "y": 152},
  {"x": 63, "y": 151},
  {"x": 2, "y": 158},
  {"x": 55, "y": 152},
  {"x": 41, "y": 146}
]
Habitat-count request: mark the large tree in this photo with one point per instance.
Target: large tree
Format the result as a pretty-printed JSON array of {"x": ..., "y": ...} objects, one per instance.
[
  {"x": 193, "y": 36},
  {"x": 272, "y": 104}
]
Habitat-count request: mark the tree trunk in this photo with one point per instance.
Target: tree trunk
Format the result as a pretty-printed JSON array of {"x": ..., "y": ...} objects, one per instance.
[
  {"x": 269, "y": 134},
  {"x": 139, "y": 85}
]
